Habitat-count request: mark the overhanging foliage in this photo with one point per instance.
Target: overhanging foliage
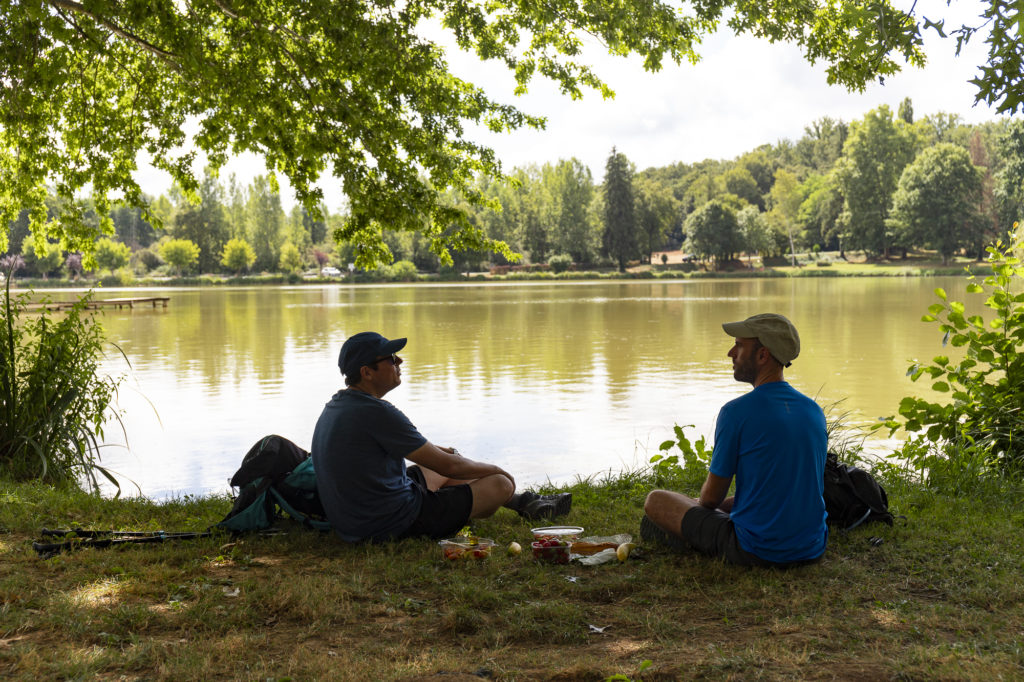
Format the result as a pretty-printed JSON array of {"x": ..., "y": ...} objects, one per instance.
[{"x": 350, "y": 88}]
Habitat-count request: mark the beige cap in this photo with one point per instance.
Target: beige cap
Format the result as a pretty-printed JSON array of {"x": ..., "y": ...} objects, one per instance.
[{"x": 775, "y": 333}]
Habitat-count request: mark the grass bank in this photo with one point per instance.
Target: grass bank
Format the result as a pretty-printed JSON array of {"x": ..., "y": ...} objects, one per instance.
[{"x": 942, "y": 597}]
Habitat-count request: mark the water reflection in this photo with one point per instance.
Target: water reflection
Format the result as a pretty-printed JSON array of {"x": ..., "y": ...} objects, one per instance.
[{"x": 546, "y": 380}]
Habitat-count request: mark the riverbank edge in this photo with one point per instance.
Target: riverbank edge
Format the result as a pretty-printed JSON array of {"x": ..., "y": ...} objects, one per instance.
[
  {"x": 652, "y": 273},
  {"x": 937, "y": 596}
]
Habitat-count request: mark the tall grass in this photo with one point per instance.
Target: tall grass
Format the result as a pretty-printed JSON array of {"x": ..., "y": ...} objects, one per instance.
[{"x": 53, "y": 398}]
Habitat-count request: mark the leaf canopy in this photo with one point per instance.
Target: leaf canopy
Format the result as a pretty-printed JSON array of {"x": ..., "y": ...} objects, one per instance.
[{"x": 350, "y": 88}]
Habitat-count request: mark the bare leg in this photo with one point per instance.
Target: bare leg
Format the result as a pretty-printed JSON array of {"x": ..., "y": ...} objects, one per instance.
[
  {"x": 666, "y": 509},
  {"x": 489, "y": 492}
]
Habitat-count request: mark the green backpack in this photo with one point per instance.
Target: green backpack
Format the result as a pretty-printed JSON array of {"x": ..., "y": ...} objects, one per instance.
[{"x": 276, "y": 478}]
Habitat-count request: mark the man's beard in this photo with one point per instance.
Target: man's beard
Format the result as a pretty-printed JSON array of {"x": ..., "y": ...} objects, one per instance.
[{"x": 745, "y": 372}]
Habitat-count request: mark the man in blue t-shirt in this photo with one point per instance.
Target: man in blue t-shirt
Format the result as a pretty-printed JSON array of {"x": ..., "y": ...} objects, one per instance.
[
  {"x": 773, "y": 442},
  {"x": 360, "y": 445}
]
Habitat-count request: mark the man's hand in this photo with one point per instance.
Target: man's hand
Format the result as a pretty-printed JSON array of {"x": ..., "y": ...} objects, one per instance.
[{"x": 449, "y": 463}]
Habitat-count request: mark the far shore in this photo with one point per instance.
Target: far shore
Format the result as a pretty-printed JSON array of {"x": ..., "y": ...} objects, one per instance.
[{"x": 674, "y": 265}]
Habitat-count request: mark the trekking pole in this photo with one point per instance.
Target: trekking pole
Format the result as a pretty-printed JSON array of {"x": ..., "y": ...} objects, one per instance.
[
  {"x": 48, "y": 550},
  {"x": 82, "y": 533}
]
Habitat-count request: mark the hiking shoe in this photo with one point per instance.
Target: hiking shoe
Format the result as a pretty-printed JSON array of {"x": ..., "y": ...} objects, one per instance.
[
  {"x": 653, "y": 533},
  {"x": 520, "y": 500},
  {"x": 546, "y": 506}
]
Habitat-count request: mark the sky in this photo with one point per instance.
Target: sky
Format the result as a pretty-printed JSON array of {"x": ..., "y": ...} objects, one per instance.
[{"x": 744, "y": 93}]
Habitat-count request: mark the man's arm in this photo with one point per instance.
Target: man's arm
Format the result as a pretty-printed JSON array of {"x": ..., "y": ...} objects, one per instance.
[
  {"x": 449, "y": 463},
  {"x": 713, "y": 492}
]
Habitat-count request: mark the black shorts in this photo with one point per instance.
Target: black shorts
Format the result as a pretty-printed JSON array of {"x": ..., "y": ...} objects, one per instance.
[
  {"x": 712, "y": 532},
  {"x": 443, "y": 513}
]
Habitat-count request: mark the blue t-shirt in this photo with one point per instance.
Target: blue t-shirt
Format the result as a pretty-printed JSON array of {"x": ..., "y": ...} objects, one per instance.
[
  {"x": 359, "y": 448},
  {"x": 773, "y": 440}
]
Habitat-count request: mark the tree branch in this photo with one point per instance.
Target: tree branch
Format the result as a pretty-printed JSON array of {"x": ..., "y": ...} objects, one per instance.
[{"x": 114, "y": 28}]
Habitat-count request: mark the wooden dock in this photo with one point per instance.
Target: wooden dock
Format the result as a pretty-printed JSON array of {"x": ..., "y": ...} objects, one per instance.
[{"x": 96, "y": 303}]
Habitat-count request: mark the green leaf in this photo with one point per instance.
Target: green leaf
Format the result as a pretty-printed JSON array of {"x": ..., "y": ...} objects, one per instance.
[
  {"x": 941, "y": 293},
  {"x": 940, "y": 386},
  {"x": 974, "y": 288}
]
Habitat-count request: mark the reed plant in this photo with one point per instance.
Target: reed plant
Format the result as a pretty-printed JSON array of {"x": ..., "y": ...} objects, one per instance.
[{"x": 54, "y": 399}]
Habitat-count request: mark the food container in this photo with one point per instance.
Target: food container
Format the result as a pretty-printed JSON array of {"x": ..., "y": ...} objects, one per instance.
[
  {"x": 566, "y": 533},
  {"x": 553, "y": 551},
  {"x": 463, "y": 548}
]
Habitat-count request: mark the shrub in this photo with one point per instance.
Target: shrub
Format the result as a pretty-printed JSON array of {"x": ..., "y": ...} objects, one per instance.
[
  {"x": 237, "y": 255},
  {"x": 53, "y": 401},
  {"x": 560, "y": 263},
  {"x": 111, "y": 255},
  {"x": 182, "y": 254},
  {"x": 149, "y": 259},
  {"x": 404, "y": 271},
  {"x": 983, "y": 419}
]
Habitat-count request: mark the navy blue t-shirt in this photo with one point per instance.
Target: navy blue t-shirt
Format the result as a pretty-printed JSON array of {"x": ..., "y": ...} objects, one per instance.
[
  {"x": 359, "y": 449},
  {"x": 773, "y": 440}
]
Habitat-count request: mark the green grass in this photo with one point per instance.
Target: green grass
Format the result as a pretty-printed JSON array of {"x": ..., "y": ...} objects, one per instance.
[{"x": 941, "y": 598}]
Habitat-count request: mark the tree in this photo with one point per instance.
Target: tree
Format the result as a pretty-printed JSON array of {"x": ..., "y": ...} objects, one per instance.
[
  {"x": 238, "y": 256},
  {"x": 573, "y": 186},
  {"x": 619, "y": 236},
  {"x": 876, "y": 152},
  {"x": 713, "y": 231},
  {"x": 656, "y": 212},
  {"x": 265, "y": 218},
  {"x": 73, "y": 264},
  {"x": 131, "y": 228},
  {"x": 535, "y": 214},
  {"x": 786, "y": 197},
  {"x": 291, "y": 259},
  {"x": 43, "y": 258},
  {"x": 754, "y": 230},
  {"x": 740, "y": 181},
  {"x": 822, "y": 144},
  {"x": 351, "y": 88},
  {"x": 906, "y": 110},
  {"x": 204, "y": 223},
  {"x": 820, "y": 211},
  {"x": 936, "y": 204},
  {"x": 111, "y": 255},
  {"x": 1009, "y": 189},
  {"x": 180, "y": 253}
]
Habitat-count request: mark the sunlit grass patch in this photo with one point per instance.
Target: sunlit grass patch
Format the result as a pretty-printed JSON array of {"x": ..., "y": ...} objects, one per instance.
[{"x": 308, "y": 606}]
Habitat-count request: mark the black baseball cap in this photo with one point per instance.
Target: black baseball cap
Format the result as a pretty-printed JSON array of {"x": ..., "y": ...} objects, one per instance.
[{"x": 363, "y": 348}]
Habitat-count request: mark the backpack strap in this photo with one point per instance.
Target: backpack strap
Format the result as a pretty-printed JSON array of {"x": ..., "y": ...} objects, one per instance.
[{"x": 859, "y": 521}]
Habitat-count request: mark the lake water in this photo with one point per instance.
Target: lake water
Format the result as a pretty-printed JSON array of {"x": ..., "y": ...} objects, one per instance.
[{"x": 550, "y": 381}]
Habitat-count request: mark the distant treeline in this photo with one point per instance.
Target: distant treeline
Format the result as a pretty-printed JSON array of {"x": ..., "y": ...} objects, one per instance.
[{"x": 883, "y": 184}]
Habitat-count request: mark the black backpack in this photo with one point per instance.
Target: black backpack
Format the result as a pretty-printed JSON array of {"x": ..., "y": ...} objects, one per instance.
[
  {"x": 853, "y": 496},
  {"x": 276, "y": 474}
]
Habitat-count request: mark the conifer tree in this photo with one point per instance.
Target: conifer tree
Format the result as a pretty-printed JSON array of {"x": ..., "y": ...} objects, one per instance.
[{"x": 619, "y": 237}]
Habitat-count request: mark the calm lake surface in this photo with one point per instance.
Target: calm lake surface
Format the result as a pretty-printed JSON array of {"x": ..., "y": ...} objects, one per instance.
[{"x": 550, "y": 381}]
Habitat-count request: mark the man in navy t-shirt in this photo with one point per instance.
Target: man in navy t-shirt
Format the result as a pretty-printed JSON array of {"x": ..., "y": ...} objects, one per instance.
[
  {"x": 773, "y": 442},
  {"x": 360, "y": 445}
]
